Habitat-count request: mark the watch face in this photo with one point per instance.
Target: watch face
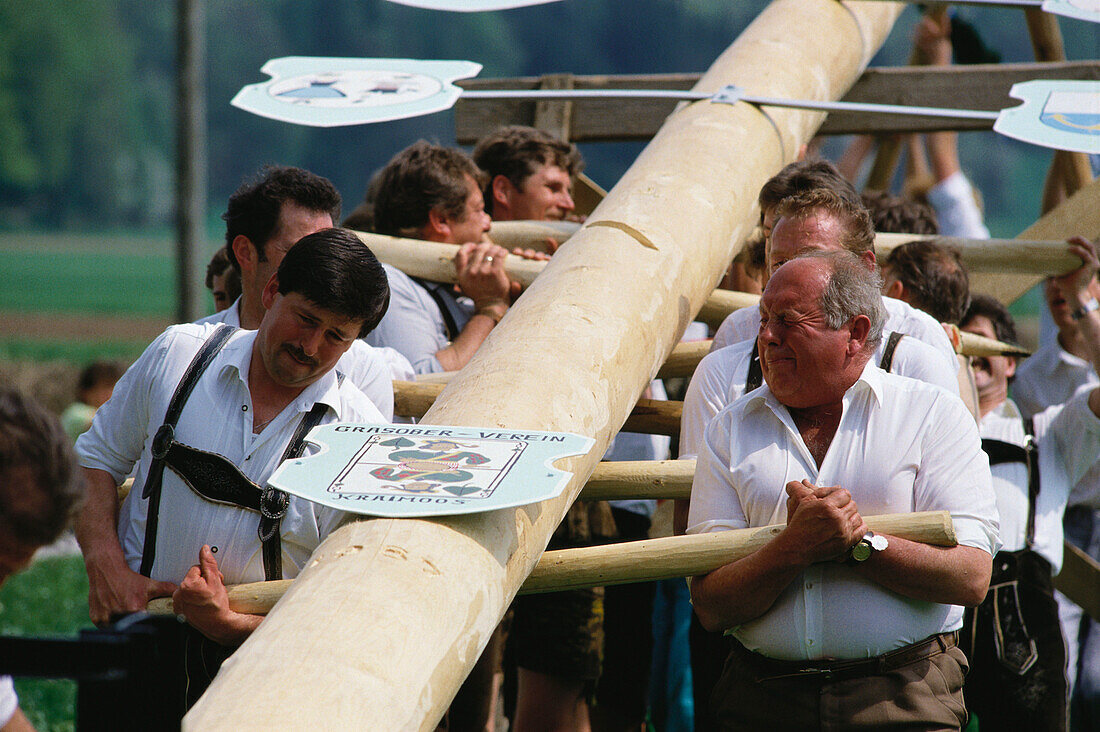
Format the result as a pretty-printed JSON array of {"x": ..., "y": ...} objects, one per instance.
[
  {"x": 861, "y": 551},
  {"x": 879, "y": 543}
]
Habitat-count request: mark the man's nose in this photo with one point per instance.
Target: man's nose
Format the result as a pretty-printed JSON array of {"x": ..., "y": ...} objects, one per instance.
[
  {"x": 311, "y": 341},
  {"x": 567, "y": 202}
]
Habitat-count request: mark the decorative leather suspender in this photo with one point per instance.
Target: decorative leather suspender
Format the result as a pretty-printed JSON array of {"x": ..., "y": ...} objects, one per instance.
[
  {"x": 151, "y": 490},
  {"x": 214, "y": 477},
  {"x": 1006, "y": 452},
  {"x": 892, "y": 341},
  {"x": 446, "y": 306}
]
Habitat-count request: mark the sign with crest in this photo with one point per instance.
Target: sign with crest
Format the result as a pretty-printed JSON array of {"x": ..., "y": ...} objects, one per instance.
[
  {"x": 1061, "y": 114},
  {"x": 428, "y": 470},
  {"x": 333, "y": 92}
]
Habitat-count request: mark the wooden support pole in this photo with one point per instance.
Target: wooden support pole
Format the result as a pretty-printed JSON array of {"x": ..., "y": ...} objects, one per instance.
[
  {"x": 996, "y": 257},
  {"x": 632, "y": 561},
  {"x": 385, "y": 622},
  {"x": 651, "y": 479}
]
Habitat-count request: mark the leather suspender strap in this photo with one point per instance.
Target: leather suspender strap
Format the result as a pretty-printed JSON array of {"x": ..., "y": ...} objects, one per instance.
[
  {"x": 756, "y": 375},
  {"x": 274, "y": 502},
  {"x": 1006, "y": 452},
  {"x": 450, "y": 322},
  {"x": 887, "y": 362},
  {"x": 151, "y": 489},
  {"x": 1032, "y": 478}
]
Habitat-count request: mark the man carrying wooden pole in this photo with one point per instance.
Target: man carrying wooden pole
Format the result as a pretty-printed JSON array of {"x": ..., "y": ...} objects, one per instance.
[{"x": 384, "y": 624}]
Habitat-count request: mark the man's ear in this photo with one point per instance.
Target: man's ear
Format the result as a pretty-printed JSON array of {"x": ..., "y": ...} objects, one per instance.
[
  {"x": 501, "y": 191},
  {"x": 1010, "y": 367},
  {"x": 245, "y": 252},
  {"x": 271, "y": 291},
  {"x": 438, "y": 227},
  {"x": 868, "y": 258},
  {"x": 861, "y": 328},
  {"x": 895, "y": 290}
]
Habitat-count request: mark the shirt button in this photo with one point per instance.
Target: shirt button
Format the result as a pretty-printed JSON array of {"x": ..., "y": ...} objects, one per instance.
[
  {"x": 810, "y": 642},
  {"x": 244, "y": 407},
  {"x": 809, "y": 585},
  {"x": 248, "y": 458}
]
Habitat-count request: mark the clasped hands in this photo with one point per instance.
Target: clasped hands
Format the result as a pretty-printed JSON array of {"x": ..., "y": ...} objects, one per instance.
[{"x": 823, "y": 522}]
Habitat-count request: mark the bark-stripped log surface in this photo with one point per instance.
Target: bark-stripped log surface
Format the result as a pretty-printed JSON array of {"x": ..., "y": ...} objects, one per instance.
[{"x": 384, "y": 623}]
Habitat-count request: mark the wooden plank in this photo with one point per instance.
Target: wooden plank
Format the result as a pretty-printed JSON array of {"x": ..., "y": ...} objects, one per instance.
[
  {"x": 978, "y": 86},
  {"x": 1079, "y": 580},
  {"x": 634, "y": 561}
]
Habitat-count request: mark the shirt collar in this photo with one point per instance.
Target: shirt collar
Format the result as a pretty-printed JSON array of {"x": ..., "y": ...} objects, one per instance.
[
  {"x": 237, "y": 356},
  {"x": 872, "y": 379}
]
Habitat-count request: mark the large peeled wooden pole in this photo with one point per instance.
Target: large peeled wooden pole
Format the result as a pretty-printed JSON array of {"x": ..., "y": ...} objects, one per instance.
[{"x": 383, "y": 625}]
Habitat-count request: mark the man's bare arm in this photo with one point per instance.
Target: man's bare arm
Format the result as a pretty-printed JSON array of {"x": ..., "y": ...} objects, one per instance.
[
  {"x": 823, "y": 523},
  {"x": 113, "y": 588},
  {"x": 957, "y": 575}
]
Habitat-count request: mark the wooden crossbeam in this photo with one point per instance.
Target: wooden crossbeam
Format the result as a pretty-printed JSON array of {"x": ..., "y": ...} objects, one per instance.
[
  {"x": 635, "y": 561},
  {"x": 982, "y": 86}
]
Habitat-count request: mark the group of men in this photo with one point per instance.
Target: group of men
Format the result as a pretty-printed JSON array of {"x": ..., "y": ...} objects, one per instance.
[
  {"x": 816, "y": 410},
  {"x": 828, "y": 403}
]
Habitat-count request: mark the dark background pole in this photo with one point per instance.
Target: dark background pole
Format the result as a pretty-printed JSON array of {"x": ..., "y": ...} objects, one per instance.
[{"x": 190, "y": 160}]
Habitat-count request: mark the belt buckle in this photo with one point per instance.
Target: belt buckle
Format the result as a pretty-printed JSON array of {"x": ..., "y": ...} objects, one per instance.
[{"x": 273, "y": 503}]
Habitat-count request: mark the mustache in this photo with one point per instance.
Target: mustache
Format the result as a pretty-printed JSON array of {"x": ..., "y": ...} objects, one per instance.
[{"x": 300, "y": 355}]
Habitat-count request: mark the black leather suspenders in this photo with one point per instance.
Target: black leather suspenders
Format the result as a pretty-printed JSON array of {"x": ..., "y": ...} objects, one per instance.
[{"x": 214, "y": 477}]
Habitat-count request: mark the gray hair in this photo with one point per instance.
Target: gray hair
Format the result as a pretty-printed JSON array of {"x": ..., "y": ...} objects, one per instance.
[{"x": 852, "y": 290}]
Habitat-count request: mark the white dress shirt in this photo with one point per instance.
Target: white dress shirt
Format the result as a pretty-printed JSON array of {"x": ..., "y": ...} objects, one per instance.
[
  {"x": 217, "y": 418},
  {"x": 371, "y": 369},
  {"x": 719, "y": 379},
  {"x": 414, "y": 325},
  {"x": 956, "y": 209},
  {"x": 901, "y": 317},
  {"x": 1068, "y": 438},
  {"x": 901, "y": 446},
  {"x": 9, "y": 702}
]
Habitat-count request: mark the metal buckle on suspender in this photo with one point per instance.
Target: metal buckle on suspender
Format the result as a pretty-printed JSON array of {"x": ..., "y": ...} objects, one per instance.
[
  {"x": 162, "y": 441},
  {"x": 273, "y": 506}
]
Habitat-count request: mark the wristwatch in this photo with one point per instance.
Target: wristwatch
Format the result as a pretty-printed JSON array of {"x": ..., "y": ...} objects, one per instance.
[
  {"x": 868, "y": 545},
  {"x": 1085, "y": 309}
]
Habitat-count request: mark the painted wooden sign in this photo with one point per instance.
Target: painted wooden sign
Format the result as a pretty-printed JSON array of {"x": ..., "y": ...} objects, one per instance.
[
  {"x": 1061, "y": 114},
  {"x": 428, "y": 470},
  {"x": 333, "y": 92}
]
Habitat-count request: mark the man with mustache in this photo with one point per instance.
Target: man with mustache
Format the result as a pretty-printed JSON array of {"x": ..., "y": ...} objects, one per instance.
[
  {"x": 835, "y": 625},
  {"x": 206, "y": 414}
]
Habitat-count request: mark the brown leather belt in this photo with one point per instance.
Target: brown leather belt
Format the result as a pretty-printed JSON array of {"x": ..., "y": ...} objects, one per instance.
[{"x": 771, "y": 668}]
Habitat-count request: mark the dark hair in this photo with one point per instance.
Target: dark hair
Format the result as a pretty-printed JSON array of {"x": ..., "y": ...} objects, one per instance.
[
  {"x": 803, "y": 176},
  {"x": 858, "y": 233},
  {"x": 216, "y": 267},
  {"x": 517, "y": 152},
  {"x": 99, "y": 372},
  {"x": 41, "y": 486},
  {"x": 934, "y": 276},
  {"x": 334, "y": 270},
  {"x": 752, "y": 255},
  {"x": 255, "y": 206},
  {"x": 421, "y": 178},
  {"x": 900, "y": 215},
  {"x": 991, "y": 307}
]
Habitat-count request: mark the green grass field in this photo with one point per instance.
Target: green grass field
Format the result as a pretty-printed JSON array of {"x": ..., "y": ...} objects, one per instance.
[{"x": 48, "y": 599}]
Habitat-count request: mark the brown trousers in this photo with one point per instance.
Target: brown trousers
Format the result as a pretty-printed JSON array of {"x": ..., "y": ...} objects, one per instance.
[{"x": 917, "y": 688}]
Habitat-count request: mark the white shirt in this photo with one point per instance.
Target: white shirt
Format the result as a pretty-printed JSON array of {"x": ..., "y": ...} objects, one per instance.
[
  {"x": 956, "y": 208},
  {"x": 371, "y": 369},
  {"x": 414, "y": 325},
  {"x": 217, "y": 418},
  {"x": 742, "y": 324},
  {"x": 1068, "y": 438},
  {"x": 9, "y": 702},
  {"x": 901, "y": 446},
  {"x": 719, "y": 380}
]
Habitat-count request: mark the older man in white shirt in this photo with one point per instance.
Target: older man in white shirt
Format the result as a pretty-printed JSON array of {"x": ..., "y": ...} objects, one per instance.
[{"x": 825, "y": 639}]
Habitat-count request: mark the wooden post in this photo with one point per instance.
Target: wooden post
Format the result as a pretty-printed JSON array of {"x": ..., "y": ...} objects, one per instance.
[
  {"x": 633, "y": 561},
  {"x": 383, "y": 625}
]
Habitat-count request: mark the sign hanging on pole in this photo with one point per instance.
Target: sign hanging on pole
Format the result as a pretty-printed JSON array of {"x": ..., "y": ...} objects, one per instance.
[{"x": 400, "y": 470}]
